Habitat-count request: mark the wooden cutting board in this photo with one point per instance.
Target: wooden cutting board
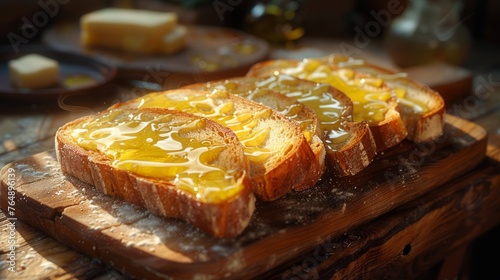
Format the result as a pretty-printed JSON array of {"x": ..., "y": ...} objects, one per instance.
[{"x": 140, "y": 244}]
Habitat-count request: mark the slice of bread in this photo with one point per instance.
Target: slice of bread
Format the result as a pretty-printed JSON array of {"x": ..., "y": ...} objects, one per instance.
[
  {"x": 373, "y": 102},
  {"x": 421, "y": 108},
  {"x": 327, "y": 111},
  {"x": 289, "y": 107},
  {"x": 279, "y": 155},
  {"x": 172, "y": 163}
]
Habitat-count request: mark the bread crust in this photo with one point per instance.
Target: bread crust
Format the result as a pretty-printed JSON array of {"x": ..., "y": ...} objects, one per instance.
[
  {"x": 386, "y": 133},
  {"x": 359, "y": 150},
  {"x": 391, "y": 131},
  {"x": 276, "y": 100},
  {"x": 300, "y": 165},
  {"x": 357, "y": 153},
  {"x": 421, "y": 127},
  {"x": 227, "y": 218},
  {"x": 290, "y": 165}
]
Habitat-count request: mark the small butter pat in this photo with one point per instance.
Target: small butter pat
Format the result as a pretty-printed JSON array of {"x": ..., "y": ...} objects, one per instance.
[
  {"x": 139, "y": 31},
  {"x": 33, "y": 71}
]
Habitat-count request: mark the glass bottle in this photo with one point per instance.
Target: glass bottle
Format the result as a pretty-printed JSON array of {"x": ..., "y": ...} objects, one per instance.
[{"x": 428, "y": 31}]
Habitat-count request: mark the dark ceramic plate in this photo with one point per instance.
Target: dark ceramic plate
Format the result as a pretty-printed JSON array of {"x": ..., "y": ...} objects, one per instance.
[
  {"x": 209, "y": 49},
  {"x": 77, "y": 74}
]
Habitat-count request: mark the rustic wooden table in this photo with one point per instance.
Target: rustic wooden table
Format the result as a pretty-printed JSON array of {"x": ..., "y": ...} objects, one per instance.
[{"x": 435, "y": 229}]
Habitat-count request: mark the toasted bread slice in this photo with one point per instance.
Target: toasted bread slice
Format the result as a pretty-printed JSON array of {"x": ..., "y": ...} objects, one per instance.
[
  {"x": 332, "y": 115},
  {"x": 162, "y": 160},
  {"x": 421, "y": 108},
  {"x": 373, "y": 102},
  {"x": 292, "y": 109},
  {"x": 278, "y": 152}
]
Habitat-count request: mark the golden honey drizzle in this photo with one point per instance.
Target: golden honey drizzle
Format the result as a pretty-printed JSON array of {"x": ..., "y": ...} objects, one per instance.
[
  {"x": 368, "y": 96},
  {"x": 411, "y": 105},
  {"x": 152, "y": 146},
  {"x": 318, "y": 98},
  {"x": 328, "y": 109},
  {"x": 219, "y": 107},
  {"x": 252, "y": 92}
]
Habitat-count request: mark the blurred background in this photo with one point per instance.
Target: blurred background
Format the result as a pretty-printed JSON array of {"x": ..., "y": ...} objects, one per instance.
[
  {"x": 401, "y": 22},
  {"x": 439, "y": 43}
]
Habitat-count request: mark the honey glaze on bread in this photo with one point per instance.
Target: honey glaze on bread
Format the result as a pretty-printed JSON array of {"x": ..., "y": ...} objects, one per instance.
[
  {"x": 421, "y": 108},
  {"x": 150, "y": 146},
  {"x": 373, "y": 102},
  {"x": 295, "y": 111},
  {"x": 203, "y": 153},
  {"x": 342, "y": 138},
  {"x": 172, "y": 163},
  {"x": 278, "y": 152}
]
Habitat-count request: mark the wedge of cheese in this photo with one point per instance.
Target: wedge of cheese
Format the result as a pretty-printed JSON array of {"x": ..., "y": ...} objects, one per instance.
[
  {"x": 139, "y": 31},
  {"x": 33, "y": 71}
]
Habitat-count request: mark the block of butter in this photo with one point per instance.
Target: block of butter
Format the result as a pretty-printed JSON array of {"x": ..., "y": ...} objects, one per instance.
[
  {"x": 140, "y": 31},
  {"x": 34, "y": 71},
  {"x": 175, "y": 40}
]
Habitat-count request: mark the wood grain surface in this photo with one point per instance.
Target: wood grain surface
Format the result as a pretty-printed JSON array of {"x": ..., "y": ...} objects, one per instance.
[
  {"x": 410, "y": 240},
  {"x": 138, "y": 243}
]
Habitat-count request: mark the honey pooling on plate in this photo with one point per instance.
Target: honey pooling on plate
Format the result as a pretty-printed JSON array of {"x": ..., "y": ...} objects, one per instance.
[{"x": 78, "y": 80}]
